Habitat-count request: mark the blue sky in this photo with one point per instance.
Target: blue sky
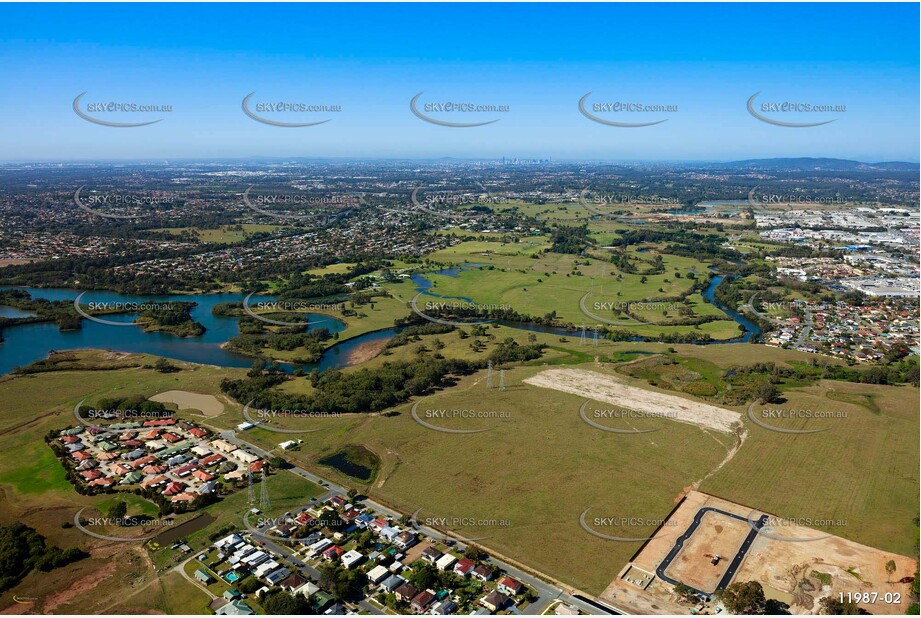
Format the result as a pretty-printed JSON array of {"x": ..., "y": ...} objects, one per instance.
[{"x": 538, "y": 59}]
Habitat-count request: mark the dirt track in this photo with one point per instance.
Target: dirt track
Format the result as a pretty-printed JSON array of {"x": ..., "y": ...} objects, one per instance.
[
  {"x": 601, "y": 387},
  {"x": 209, "y": 405}
]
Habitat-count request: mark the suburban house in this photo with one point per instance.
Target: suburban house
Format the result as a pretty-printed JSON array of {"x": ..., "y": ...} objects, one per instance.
[
  {"x": 464, "y": 566},
  {"x": 378, "y": 574},
  {"x": 391, "y": 583},
  {"x": 406, "y": 592},
  {"x": 445, "y": 562},
  {"x": 405, "y": 540},
  {"x": 494, "y": 601},
  {"x": 431, "y": 554},
  {"x": 444, "y": 608},
  {"x": 333, "y": 553},
  {"x": 483, "y": 573},
  {"x": 351, "y": 558},
  {"x": 203, "y": 577},
  {"x": 278, "y": 575},
  {"x": 235, "y": 608},
  {"x": 510, "y": 586},
  {"x": 422, "y": 600}
]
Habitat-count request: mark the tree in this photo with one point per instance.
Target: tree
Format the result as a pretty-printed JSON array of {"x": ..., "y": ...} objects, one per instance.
[
  {"x": 766, "y": 392},
  {"x": 117, "y": 511},
  {"x": 278, "y": 602},
  {"x": 423, "y": 576},
  {"x": 22, "y": 550},
  {"x": 685, "y": 592},
  {"x": 474, "y": 553},
  {"x": 164, "y": 366},
  {"x": 743, "y": 598},
  {"x": 890, "y": 569}
]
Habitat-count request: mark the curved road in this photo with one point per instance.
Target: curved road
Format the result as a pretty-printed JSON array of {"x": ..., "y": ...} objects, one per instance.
[
  {"x": 736, "y": 561},
  {"x": 807, "y": 320}
]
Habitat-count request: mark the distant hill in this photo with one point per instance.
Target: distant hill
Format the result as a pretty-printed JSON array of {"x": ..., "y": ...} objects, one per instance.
[{"x": 805, "y": 164}]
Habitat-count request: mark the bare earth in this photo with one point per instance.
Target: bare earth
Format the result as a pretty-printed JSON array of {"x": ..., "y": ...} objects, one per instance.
[
  {"x": 366, "y": 351},
  {"x": 609, "y": 389},
  {"x": 783, "y": 559},
  {"x": 207, "y": 404},
  {"x": 718, "y": 535}
]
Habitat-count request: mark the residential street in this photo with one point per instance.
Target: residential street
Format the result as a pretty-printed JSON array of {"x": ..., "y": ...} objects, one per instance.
[{"x": 545, "y": 591}]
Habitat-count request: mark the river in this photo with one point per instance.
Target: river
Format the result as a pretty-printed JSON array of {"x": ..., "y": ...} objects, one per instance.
[{"x": 28, "y": 343}]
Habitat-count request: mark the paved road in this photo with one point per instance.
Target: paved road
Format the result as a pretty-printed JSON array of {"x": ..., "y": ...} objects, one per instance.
[
  {"x": 807, "y": 322},
  {"x": 807, "y": 329},
  {"x": 750, "y": 306},
  {"x": 545, "y": 591},
  {"x": 736, "y": 561}
]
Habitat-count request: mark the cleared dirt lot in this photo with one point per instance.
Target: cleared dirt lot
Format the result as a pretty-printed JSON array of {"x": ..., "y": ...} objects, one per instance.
[
  {"x": 601, "y": 387},
  {"x": 209, "y": 405},
  {"x": 718, "y": 535},
  {"x": 826, "y": 566},
  {"x": 794, "y": 563}
]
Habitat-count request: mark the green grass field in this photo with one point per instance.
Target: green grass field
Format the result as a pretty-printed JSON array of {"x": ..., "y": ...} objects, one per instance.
[
  {"x": 538, "y": 470},
  {"x": 170, "y": 594},
  {"x": 509, "y": 276},
  {"x": 862, "y": 470},
  {"x": 538, "y": 467},
  {"x": 225, "y": 234}
]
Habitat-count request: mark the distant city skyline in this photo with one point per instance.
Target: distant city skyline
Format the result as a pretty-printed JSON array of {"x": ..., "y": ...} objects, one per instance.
[{"x": 700, "y": 65}]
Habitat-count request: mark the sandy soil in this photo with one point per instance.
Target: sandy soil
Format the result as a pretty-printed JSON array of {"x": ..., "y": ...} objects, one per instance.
[
  {"x": 782, "y": 559},
  {"x": 207, "y": 404},
  {"x": 78, "y": 588},
  {"x": 788, "y": 566},
  {"x": 718, "y": 535},
  {"x": 609, "y": 389},
  {"x": 366, "y": 351}
]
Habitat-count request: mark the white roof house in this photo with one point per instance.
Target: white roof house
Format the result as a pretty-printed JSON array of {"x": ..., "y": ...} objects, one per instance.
[
  {"x": 320, "y": 545},
  {"x": 378, "y": 574},
  {"x": 265, "y": 568},
  {"x": 228, "y": 541},
  {"x": 244, "y": 456},
  {"x": 351, "y": 558},
  {"x": 445, "y": 562}
]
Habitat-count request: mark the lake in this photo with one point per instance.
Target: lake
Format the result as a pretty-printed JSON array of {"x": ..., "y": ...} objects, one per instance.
[{"x": 28, "y": 343}]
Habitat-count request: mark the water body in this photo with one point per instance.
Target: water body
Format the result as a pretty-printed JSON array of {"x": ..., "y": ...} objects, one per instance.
[
  {"x": 13, "y": 312},
  {"x": 345, "y": 462},
  {"x": 28, "y": 343},
  {"x": 751, "y": 329}
]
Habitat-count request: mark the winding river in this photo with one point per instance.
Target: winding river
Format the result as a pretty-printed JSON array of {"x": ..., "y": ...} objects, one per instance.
[{"x": 27, "y": 343}]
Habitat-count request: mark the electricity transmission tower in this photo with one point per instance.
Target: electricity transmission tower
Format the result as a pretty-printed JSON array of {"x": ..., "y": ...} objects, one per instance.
[{"x": 264, "y": 502}]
